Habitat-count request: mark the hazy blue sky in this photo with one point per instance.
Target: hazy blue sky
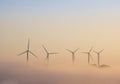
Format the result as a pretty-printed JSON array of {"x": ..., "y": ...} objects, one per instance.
[{"x": 59, "y": 7}]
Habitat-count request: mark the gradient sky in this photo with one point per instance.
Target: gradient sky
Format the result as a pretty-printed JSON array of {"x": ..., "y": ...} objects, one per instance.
[{"x": 60, "y": 24}]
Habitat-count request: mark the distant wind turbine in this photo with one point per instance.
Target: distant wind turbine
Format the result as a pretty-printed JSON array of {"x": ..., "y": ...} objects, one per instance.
[
  {"x": 73, "y": 54},
  {"x": 48, "y": 53},
  {"x": 28, "y": 51},
  {"x": 98, "y": 54},
  {"x": 89, "y": 55}
]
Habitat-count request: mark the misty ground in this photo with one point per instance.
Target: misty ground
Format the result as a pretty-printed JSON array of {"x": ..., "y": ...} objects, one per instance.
[{"x": 19, "y": 73}]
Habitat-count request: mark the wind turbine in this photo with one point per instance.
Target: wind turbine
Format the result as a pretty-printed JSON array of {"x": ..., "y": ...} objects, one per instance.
[
  {"x": 48, "y": 53},
  {"x": 28, "y": 51},
  {"x": 89, "y": 55},
  {"x": 73, "y": 54},
  {"x": 98, "y": 54}
]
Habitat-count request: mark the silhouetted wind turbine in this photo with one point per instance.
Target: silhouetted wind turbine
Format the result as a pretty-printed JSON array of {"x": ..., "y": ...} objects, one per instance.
[
  {"x": 48, "y": 53},
  {"x": 73, "y": 54},
  {"x": 89, "y": 55},
  {"x": 28, "y": 51},
  {"x": 98, "y": 54}
]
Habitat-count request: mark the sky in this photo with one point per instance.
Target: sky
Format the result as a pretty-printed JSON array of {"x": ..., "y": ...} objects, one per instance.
[{"x": 60, "y": 25}]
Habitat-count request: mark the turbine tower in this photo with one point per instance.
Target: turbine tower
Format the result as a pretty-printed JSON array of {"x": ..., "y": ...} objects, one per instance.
[
  {"x": 98, "y": 55},
  {"x": 73, "y": 54},
  {"x": 28, "y": 51},
  {"x": 48, "y": 53},
  {"x": 89, "y": 55}
]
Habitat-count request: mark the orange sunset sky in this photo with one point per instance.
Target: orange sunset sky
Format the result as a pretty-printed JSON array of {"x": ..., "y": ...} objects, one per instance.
[{"x": 59, "y": 25}]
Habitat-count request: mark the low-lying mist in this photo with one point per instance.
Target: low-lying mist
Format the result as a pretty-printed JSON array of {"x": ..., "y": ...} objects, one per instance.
[{"x": 19, "y": 73}]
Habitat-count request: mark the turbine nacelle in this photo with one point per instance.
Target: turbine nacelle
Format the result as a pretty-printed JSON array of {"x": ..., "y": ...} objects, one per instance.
[
  {"x": 98, "y": 54},
  {"x": 28, "y": 51},
  {"x": 48, "y": 53},
  {"x": 89, "y": 55},
  {"x": 73, "y": 53}
]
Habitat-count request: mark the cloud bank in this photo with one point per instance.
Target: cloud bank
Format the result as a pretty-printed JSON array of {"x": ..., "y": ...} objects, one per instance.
[{"x": 16, "y": 73}]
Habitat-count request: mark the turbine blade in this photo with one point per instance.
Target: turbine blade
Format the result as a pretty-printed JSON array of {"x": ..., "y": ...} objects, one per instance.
[
  {"x": 91, "y": 57},
  {"x": 22, "y": 53},
  {"x": 44, "y": 48},
  {"x": 91, "y": 49},
  {"x": 101, "y": 51},
  {"x": 95, "y": 52},
  {"x": 69, "y": 50},
  {"x": 33, "y": 54},
  {"x": 85, "y": 52},
  {"x": 54, "y": 53},
  {"x": 28, "y": 44},
  {"x": 76, "y": 50}
]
